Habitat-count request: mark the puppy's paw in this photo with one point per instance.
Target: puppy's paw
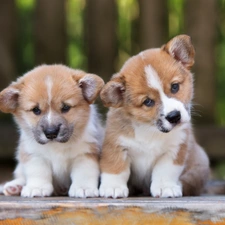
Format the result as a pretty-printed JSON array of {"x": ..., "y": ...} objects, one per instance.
[
  {"x": 35, "y": 191},
  {"x": 166, "y": 189},
  {"x": 83, "y": 192},
  {"x": 13, "y": 188},
  {"x": 114, "y": 192}
]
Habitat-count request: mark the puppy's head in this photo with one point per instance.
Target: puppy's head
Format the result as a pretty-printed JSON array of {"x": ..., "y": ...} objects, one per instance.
[
  {"x": 51, "y": 103},
  {"x": 155, "y": 86}
]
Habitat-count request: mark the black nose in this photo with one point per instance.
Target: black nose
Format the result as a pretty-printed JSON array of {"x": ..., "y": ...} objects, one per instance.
[
  {"x": 51, "y": 132},
  {"x": 173, "y": 117}
]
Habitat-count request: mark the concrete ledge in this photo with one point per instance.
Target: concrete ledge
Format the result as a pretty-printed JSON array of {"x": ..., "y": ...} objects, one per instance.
[{"x": 136, "y": 211}]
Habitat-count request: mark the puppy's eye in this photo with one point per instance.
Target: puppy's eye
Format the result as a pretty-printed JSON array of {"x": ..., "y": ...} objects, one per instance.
[
  {"x": 149, "y": 102},
  {"x": 65, "y": 108},
  {"x": 36, "y": 111},
  {"x": 175, "y": 88}
]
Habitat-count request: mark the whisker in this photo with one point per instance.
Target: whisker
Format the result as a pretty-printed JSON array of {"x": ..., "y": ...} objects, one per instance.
[{"x": 196, "y": 111}]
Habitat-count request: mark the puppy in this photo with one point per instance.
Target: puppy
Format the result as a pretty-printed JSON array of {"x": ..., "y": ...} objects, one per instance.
[
  {"x": 149, "y": 144},
  {"x": 60, "y": 132}
]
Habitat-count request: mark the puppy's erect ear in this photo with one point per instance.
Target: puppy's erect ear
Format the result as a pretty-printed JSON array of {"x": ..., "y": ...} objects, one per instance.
[
  {"x": 181, "y": 49},
  {"x": 91, "y": 85},
  {"x": 112, "y": 94},
  {"x": 9, "y": 99}
]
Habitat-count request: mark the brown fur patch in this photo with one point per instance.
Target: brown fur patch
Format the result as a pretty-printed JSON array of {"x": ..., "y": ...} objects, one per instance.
[
  {"x": 94, "y": 157},
  {"x": 113, "y": 157},
  {"x": 94, "y": 152},
  {"x": 112, "y": 161},
  {"x": 181, "y": 155}
]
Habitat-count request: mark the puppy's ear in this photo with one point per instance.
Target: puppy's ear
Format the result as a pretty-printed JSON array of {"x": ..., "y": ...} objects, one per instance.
[
  {"x": 112, "y": 94},
  {"x": 181, "y": 49},
  {"x": 91, "y": 85},
  {"x": 9, "y": 99}
]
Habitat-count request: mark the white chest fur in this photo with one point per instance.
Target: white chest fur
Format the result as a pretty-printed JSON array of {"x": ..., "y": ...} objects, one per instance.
[
  {"x": 147, "y": 146},
  {"x": 58, "y": 157}
]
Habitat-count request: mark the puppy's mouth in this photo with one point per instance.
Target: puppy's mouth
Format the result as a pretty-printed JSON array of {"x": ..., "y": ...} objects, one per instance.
[
  {"x": 52, "y": 134},
  {"x": 162, "y": 128},
  {"x": 169, "y": 121}
]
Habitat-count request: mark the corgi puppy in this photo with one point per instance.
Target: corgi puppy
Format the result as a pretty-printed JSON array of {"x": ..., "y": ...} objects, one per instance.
[
  {"x": 60, "y": 132},
  {"x": 149, "y": 147}
]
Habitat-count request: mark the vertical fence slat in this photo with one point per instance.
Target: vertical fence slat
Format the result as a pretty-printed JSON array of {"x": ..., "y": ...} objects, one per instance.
[
  {"x": 200, "y": 17},
  {"x": 153, "y": 23},
  {"x": 50, "y": 31},
  {"x": 101, "y": 37},
  {"x": 7, "y": 42}
]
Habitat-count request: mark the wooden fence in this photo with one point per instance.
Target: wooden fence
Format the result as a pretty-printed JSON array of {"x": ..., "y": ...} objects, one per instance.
[{"x": 102, "y": 44}]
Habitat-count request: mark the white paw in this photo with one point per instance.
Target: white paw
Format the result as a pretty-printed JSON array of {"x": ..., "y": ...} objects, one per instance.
[
  {"x": 114, "y": 192},
  {"x": 35, "y": 191},
  {"x": 13, "y": 188},
  {"x": 83, "y": 192},
  {"x": 166, "y": 189}
]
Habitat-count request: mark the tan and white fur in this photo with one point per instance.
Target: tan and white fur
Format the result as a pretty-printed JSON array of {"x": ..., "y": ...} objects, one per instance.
[
  {"x": 149, "y": 147},
  {"x": 60, "y": 132}
]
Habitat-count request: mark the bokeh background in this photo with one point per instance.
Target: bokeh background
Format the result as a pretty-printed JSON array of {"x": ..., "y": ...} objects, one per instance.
[{"x": 100, "y": 35}]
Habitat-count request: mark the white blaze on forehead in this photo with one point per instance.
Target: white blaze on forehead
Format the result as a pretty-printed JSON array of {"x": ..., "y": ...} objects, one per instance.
[
  {"x": 49, "y": 84},
  {"x": 153, "y": 78},
  {"x": 49, "y": 116}
]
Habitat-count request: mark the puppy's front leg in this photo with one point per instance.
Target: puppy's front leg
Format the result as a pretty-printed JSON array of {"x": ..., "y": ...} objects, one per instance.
[
  {"x": 114, "y": 185},
  {"x": 84, "y": 176},
  {"x": 38, "y": 178},
  {"x": 165, "y": 178},
  {"x": 115, "y": 168}
]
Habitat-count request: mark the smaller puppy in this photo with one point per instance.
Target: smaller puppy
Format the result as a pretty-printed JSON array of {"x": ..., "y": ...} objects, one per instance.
[
  {"x": 60, "y": 132},
  {"x": 149, "y": 142}
]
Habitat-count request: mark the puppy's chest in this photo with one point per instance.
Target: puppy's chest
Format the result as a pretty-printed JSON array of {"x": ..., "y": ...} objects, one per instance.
[
  {"x": 144, "y": 144},
  {"x": 60, "y": 158},
  {"x": 60, "y": 164},
  {"x": 148, "y": 145}
]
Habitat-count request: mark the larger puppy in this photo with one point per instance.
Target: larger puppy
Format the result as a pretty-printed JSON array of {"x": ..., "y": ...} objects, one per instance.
[
  {"x": 149, "y": 142},
  {"x": 60, "y": 132}
]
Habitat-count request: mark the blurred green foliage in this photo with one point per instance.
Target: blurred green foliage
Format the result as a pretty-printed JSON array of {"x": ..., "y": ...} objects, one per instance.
[
  {"x": 75, "y": 30},
  {"x": 219, "y": 170},
  {"x": 25, "y": 40},
  {"x": 76, "y": 52},
  {"x": 176, "y": 19},
  {"x": 126, "y": 19},
  {"x": 220, "y": 59}
]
